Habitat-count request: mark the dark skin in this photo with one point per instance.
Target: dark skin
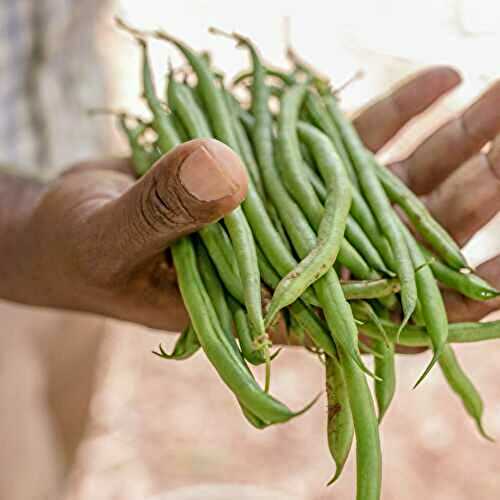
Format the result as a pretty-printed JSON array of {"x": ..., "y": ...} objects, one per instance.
[{"x": 94, "y": 240}]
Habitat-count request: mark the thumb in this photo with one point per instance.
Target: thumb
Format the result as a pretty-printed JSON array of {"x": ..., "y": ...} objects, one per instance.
[{"x": 195, "y": 184}]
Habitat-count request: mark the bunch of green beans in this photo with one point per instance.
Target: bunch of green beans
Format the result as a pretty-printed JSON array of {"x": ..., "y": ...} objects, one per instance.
[{"x": 318, "y": 209}]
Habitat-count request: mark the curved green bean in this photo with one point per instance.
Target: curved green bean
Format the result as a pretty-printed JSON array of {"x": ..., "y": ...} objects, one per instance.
[
  {"x": 468, "y": 284},
  {"x": 340, "y": 427},
  {"x": 430, "y": 299},
  {"x": 463, "y": 387},
  {"x": 215, "y": 344},
  {"x": 421, "y": 218},
  {"x": 330, "y": 233},
  {"x": 385, "y": 369},
  {"x": 216, "y": 293},
  {"x": 186, "y": 346},
  {"x": 379, "y": 203},
  {"x": 250, "y": 353}
]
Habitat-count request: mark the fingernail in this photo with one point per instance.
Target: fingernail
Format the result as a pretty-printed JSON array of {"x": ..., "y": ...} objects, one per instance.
[{"x": 208, "y": 173}]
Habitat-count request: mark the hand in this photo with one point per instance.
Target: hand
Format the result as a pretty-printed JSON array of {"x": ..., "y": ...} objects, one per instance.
[
  {"x": 459, "y": 182},
  {"x": 95, "y": 239}
]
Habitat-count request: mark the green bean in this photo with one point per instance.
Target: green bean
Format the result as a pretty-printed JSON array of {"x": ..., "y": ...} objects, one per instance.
[
  {"x": 247, "y": 120},
  {"x": 362, "y": 244},
  {"x": 339, "y": 316},
  {"x": 368, "y": 453},
  {"x": 385, "y": 369},
  {"x": 331, "y": 166},
  {"x": 423, "y": 221},
  {"x": 301, "y": 314},
  {"x": 186, "y": 346},
  {"x": 330, "y": 233},
  {"x": 250, "y": 353},
  {"x": 236, "y": 222},
  {"x": 321, "y": 119},
  {"x": 304, "y": 152},
  {"x": 416, "y": 336},
  {"x": 430, "y": 298},
  {"x": 252, "y": 418},
  {"x": 316, "y": 182},
  {"x": 374, "y": 289},
  {"x": 141, "y": 158},
  {"x": 364, "y": 310},
  {"x": 240, "y": 233},
  {"x": 221, "y": 252},
  {"x": 353, "y": 290},
  {"x": 216, "y": 292},
  {"x": 418, "y": 315},
  {"x": 167, "y": 135},
  {"x": 463, "y": 387},
  {"x": 281, "y": 74},
  {"x": 288, "y": 143},
  {"x": 214, "y": 236},
  {"x": 298, "y": 227},
  {"x": 267, "y": 235},
  {"x": 340, "y": 427},
  {"x": 365, "y": 348},
  {"x": 179, "y": 127},
  {"x": 313, "y": 326},
  {"x": 378, "y": 201},
  {"x": 360, "y": 210},
  {"x": 468, "y": 284},
  {"x": 180, "y": 101},
  {"x": 353, "y": 231},
  {"x": 215, "y": 344},
  {"x": 244, "y": 145},
  {"x": 273, "y": 215}
]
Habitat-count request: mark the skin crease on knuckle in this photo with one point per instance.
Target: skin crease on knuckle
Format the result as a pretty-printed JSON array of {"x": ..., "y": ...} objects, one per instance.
[{"x": 197, "y": 183}]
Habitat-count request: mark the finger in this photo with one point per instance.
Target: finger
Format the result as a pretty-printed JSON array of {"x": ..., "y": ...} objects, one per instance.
[
  {"x": 453, "y": 144},
  {"x": 469, "y": 197},
  {"x": 195, "y": 184},
  {"x": 382, "y": 120},
  {"x": 461, "y": 308}
]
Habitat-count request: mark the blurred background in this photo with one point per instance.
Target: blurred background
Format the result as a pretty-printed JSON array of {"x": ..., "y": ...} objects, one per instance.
[{"x": 149, "y": 428}]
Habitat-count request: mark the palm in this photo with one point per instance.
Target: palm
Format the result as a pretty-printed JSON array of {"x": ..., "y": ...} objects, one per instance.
[{"x": 459, "y": 182}]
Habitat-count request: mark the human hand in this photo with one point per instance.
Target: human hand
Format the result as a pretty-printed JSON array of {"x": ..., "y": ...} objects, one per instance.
[
  {"x": 95, "y": 239},
  {"x": 456, "y": 178}
]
